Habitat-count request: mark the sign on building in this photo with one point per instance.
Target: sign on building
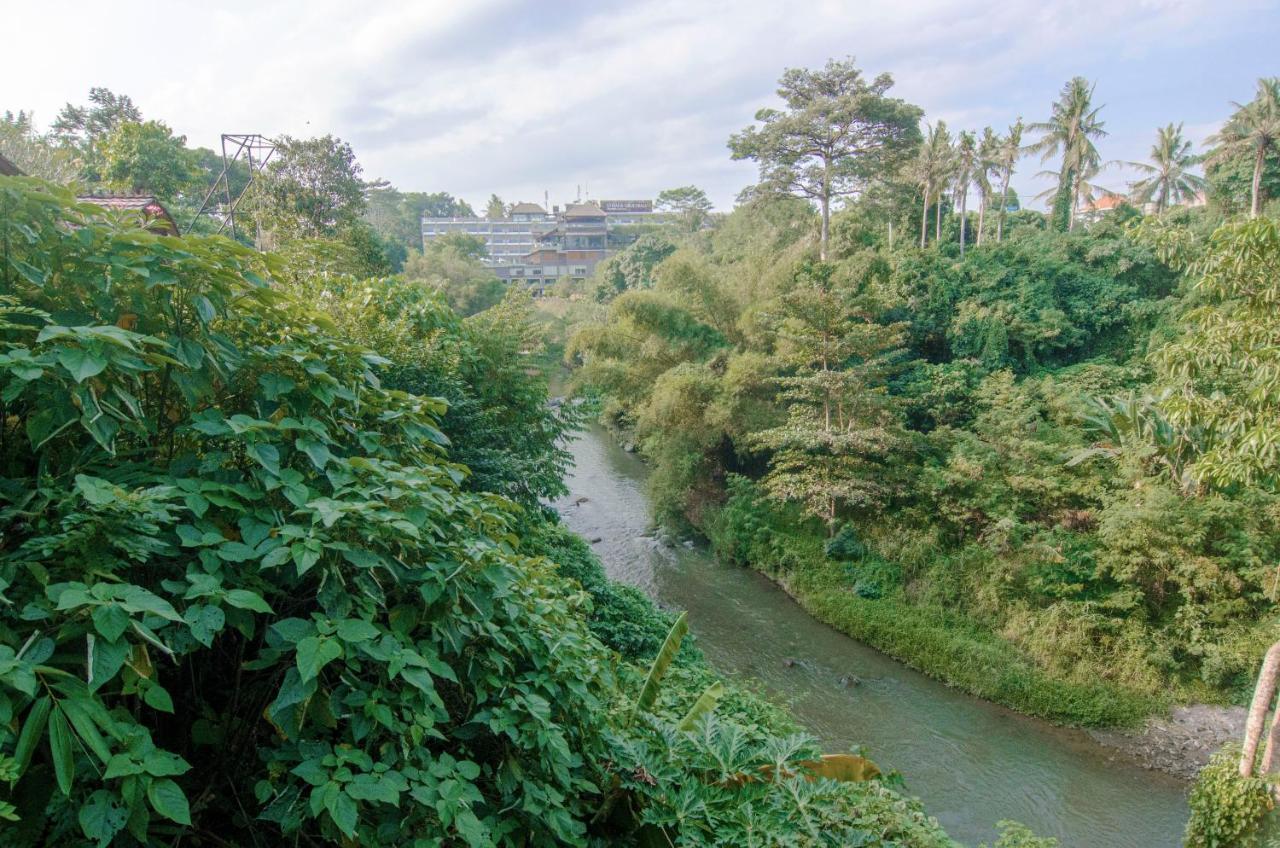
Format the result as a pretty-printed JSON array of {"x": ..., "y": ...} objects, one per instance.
[{"x": 616, "y": 206}]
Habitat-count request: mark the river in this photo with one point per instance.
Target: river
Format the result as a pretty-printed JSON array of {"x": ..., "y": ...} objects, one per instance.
[{"x": 970, "y": 761}]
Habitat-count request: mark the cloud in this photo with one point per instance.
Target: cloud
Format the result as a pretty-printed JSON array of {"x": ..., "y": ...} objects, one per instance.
[{"x": 626, "y": 98}]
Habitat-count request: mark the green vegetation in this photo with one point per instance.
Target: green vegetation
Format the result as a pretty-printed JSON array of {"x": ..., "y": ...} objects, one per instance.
[
  {"x": 251, "y": 593},
  {"x": 1032, "y": 456}
]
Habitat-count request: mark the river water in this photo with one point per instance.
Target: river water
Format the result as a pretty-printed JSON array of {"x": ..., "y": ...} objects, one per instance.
[{"x": 972, "y": 762}]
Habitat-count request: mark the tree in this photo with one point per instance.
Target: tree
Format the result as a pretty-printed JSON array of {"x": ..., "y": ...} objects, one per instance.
[
  {"x": 689, "y": 203},
  {"x": 932, "y": 171},
  {"x": 1072, "y": 126},
  {"x": 85, "y": 127},
  {"x": 840, "y": 427},
  {"x": 495, "y": 210},
  {"x": 312, "y": 187},
  {"x": 1222, "y": 376},
  {"x": 1169, "y": 180},
  {"x": 35, "y": 154},
  {"x": 966, "y": 164},
  {"x": 147, "y": 158},
  {"x": 1010, "y": 153},
  {"x": 837, "y": 133},
  {"x": 1253, "y": 129},
  {"x": 987, "y": 165}
]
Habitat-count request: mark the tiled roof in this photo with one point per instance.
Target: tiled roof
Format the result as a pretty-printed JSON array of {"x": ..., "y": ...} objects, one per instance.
[
  {"x": 583, "y": 210},
  {"x": 527, "y": 209},
  {"x": 145, "y": 203}
]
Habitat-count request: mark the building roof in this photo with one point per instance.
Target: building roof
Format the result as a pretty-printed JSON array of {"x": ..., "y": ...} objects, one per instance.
[
  {"x": 1105, "y": 203},
  {"x": 583, "y": 210},
  {"x": 9, "y": 169},
  {"x": 527, "y": 209},
  {"x": 161, "y": 221}
]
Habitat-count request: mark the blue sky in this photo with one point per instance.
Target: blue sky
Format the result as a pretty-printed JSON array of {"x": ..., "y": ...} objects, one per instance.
[{"x": 622, "y": 98}]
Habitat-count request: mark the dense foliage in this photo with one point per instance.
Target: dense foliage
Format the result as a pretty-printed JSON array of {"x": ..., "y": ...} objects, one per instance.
[
  {"x": 250, "y": 595},
  {"x": 1014, "y": 439}
]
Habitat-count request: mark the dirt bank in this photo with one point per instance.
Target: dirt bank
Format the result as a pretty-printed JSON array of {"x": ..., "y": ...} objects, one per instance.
[{"x": 1180, "y": 744}]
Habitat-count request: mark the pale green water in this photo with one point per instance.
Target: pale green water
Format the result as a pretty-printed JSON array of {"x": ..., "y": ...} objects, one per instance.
[{"x": 973, "y": 763}]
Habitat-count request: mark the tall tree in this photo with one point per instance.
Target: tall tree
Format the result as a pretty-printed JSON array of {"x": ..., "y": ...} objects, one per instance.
[
  {"x": 689, "y": 203},
  {"x": 147, "y": 158},
  {"x": 987, "y": 165},
  {"x": 1253, "y": 129},
  {"x": 1169, "y": 179},
  {"x": 837, "y": 133},
  {"x": 1010, "y": 153},
  {"x": 840, "y": 425},
  {"x": 84, "y": 128},
  {"x": 312, "y": 188},
  {"x": 966, "y": 164},
  {"x": 932, "y": 171},
  {"x": 1070, "y": 131},
  {"x": 495, "y": 209}
]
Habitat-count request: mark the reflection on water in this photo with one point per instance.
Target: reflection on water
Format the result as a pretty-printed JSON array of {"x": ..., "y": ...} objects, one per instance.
[{"x": 973, "y": 763}]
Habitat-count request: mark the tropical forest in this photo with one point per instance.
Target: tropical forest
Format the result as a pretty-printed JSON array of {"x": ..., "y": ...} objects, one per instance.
[{"x": 888, "y": 505}]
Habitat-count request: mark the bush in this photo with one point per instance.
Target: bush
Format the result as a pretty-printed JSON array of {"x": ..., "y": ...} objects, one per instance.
[{"x": 1227, "y": 810}]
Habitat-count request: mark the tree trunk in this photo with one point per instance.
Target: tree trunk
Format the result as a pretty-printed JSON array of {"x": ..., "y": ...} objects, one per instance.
[
  {"x": 1004, "y": 204},
  {"x": 937, "y": 218},
  {"x": 1075, "y": 203},
  {"x": 1255, "y": 206},
  {"x": 924, "y": 218},
  {"x": 1262, "y": 695},
  {"x": 982, "y": 216},
  {"x": 964, "y": 199},
  {"x": 826, "y": 209}
]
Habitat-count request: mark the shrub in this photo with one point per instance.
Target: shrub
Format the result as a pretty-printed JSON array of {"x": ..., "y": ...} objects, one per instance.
[{"x": 1226, "y": 809}]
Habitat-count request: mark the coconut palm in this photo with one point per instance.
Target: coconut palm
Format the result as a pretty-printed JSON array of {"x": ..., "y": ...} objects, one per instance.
[
  {"x": 1169, "y": 180},
  {"x": 966, "y": 161},
  {"x": 988, "y": 165},
  {"x": 1010, "y": 153},
  {"x": 933, "y": 165},
  {"x": 1254, "y": 129},
  {"x": 1072, "y": 126}
]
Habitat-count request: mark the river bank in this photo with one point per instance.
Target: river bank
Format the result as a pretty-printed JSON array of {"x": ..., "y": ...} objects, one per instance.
[{"x": 972, "y": 762}]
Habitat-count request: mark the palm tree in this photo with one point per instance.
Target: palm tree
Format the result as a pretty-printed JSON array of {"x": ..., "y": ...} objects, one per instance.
[
  {"x": 1253, "y": 129},
  {"x": 1010, "y": 153},
  {"x": 965, "y": 163},
  {"x": 1169, "y": 180},
  {"x": 933, "y": 164},
  {"x": 988, "y": 165},
  {"x": 1072, "y": 126}
]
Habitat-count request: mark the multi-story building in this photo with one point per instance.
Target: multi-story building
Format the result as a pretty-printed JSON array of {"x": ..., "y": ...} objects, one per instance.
[{"x": 532, "y": 244}]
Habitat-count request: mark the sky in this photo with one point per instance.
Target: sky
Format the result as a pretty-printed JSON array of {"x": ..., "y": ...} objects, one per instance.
[{"x": 621, "y": 99}]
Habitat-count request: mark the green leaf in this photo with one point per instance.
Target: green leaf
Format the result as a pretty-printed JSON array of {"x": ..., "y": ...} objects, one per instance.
[
  {"x": 137, "y": 599},
  {"x": 32, "y": 731},
  {"x": 244, "y": 599},
  {"x": 168, "y": 799},
  {"x": 77, "y": 712},
  {"x": 318, "y": 452},
  {"x": 106, "y": 658},
  {"x": 661, "y": 662},
  {"x": 157, "y": 697},
  {"x": 102, "y": 817},
  {"x": 205, "y": 622},
  {"x": 706, "y": 703},
  {"x": 266, "y": 455},
  {"x": 342, "y": 809},
  {"x": 110, "y": 621},
  {"x": 80, "y": 363},
  {"x": 64, "y": 764},
  {"x": 314, "y": 653},
  {"x": 164, "y": 764},
  {"x": 356, "y": 630}
]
